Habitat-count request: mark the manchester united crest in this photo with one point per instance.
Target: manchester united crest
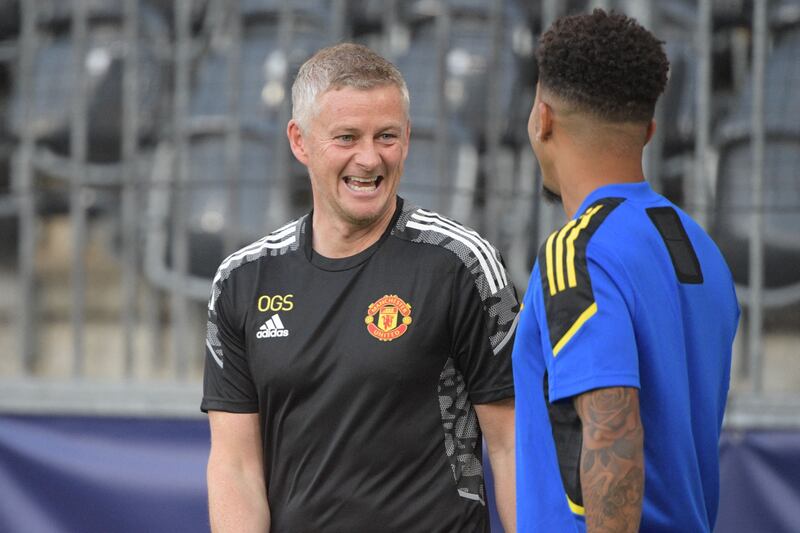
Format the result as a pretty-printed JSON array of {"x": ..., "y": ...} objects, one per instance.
[{"x": 388, "y": 318}]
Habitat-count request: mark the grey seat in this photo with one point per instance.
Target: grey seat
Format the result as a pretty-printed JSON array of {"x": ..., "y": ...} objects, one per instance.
[
  {"x": 53, "y": 83},
  {"x": 781, "y": 172},
  {"x": 265, "y": 190}
]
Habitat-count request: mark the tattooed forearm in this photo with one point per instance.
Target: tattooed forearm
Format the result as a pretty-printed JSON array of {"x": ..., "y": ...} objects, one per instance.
[{"x": 612, "y": 459}]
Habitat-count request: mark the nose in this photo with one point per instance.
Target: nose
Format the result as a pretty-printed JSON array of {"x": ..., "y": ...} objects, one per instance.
[{"x": 367, "y": 156}]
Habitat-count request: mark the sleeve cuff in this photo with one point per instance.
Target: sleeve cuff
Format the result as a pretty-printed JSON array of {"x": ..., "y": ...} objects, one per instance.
[
  {"x": 568, "y": 390},
  {"x": 230, "y": 406},
  {"x": 493, "y": 395}
]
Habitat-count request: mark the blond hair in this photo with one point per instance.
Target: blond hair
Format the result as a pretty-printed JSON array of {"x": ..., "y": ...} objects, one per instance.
[{"x": 341, "y": 65}]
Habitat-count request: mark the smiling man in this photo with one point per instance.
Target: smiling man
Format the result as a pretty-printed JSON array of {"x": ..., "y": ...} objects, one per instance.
[{"x": 356, "y": 355}]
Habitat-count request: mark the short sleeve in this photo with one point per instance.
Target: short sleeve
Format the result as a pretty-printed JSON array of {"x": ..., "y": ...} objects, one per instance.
[
  {"x": 540, "y": 492},
  {"x": 227, "y": 382},
  {"x": 483, "y": 337},
  {"x": 593, "y": 344}
]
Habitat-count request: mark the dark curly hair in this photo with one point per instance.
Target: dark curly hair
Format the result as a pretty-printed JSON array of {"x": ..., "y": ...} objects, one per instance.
[{"x": 606, "y": 64}]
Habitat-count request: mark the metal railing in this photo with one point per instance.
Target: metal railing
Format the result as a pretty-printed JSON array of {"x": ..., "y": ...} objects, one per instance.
[{"x": 153, "y": 332}]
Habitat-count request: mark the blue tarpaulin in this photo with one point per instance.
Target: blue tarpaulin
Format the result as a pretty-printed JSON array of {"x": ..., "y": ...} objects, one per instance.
[
  {"x": 87, "y": 475},
  {"x": 99, "y": 474},
  {"x": 760, "y": 482}
]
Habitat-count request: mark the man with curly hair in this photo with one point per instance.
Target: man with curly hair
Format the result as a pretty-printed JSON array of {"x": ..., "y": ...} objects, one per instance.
[{"x": 623, "y": 350}]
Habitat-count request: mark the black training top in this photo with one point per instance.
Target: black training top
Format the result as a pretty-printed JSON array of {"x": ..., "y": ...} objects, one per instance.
[{"x": 364, "y": 372}]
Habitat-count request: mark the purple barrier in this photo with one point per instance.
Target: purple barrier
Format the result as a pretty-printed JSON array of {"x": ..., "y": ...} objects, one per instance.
[
  {"x": 759, "y": 482},
  {"x": 87, "y": 475},
  {"x": 93, "y": 475},
  {"x": 65, "y": 474}
]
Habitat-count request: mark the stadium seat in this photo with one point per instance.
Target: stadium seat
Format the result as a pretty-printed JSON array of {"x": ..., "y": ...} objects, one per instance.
[
  {"x": 422, "y": 183},
  {"x": 9, "y": 19},
  {"x": 781, "y": 178},
  {"x": 212, "y": 230},
  {"x": 269, "y": 189},
  {"x": 53, "y": 80},
  {"x": 679, "y": 99},
  {"x": 317, "y": 11},
  {"x": 452, "y": 194},
  {"x": 209, "y": 190},
  {"x": 784, "y": 15},
  {"x": 468, "y": 63}
]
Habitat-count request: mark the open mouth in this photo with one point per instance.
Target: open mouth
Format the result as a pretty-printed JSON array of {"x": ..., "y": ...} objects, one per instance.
[{"x": 362, "y": 184}]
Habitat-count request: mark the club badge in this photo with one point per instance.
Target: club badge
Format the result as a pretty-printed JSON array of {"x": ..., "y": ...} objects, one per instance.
[{"x": 388, "y": 318}]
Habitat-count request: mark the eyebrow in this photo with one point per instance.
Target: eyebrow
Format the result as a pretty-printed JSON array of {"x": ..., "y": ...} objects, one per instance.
[{"x": 345, "y": 130}]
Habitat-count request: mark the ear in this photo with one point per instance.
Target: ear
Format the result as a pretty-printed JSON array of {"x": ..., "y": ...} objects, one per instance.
[
  {"x": 651, "y": 130},
  {"x": 407, "y": 139},
  {"x": 296, "y": 141},
  {"x": 543, "y": 126}
]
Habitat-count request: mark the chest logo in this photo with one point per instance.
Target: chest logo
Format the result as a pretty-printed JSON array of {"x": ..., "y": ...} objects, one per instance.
[
  {"x": 388, "y": 318},
  {"x": 272, "y": 328}
]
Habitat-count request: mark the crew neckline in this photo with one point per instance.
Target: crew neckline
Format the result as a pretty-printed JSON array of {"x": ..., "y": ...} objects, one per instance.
[
  {"x": 635, "y": 190},
  {"x": 345, "y": 263}
]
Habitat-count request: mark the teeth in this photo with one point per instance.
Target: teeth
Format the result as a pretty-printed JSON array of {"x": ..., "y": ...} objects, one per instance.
[{"x": 358, "y": 184}]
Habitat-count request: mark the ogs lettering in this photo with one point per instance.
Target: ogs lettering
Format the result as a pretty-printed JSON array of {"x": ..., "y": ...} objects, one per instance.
[{"x": 279, "y": 302}]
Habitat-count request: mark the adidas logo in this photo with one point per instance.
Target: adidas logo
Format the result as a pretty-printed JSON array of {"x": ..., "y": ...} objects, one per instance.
[{"x": 272, "y": 328}]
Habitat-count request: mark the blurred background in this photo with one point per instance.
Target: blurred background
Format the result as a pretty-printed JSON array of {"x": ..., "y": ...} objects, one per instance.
[{"x": 142, "y": 141}]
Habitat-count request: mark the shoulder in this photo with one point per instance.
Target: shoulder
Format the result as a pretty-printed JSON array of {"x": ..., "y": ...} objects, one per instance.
[
  {"x": 285, "y": 239},
  {"x": 465, "y": 245},
  {"x": 568, "y": 287},
  {"x": 564, "y": 257},
  {"x": 569, "y": 244}
]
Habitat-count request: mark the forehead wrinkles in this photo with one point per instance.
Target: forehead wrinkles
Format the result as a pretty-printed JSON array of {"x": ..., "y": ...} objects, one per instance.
[{"x": 378, "y": 109}]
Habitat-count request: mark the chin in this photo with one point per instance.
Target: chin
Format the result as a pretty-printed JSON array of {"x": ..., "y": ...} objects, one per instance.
[
  {"x": 550, "y": 196},
  {"x": 365, "y": 215}
]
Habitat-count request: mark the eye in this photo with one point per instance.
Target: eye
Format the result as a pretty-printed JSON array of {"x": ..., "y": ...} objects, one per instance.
[
  {"x": 387, "y": 137},
  {"x": 345, "y": 139}
]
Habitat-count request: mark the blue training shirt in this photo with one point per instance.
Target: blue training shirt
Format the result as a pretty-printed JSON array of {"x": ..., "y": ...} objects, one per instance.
[{"x": 631, "y": 292}]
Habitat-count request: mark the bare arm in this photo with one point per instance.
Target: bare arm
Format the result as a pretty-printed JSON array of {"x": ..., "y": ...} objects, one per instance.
[
  {"x": 237, "y": 495},
  {"x": 612, "y": 459},
  {"x": 497, "y": 423}
]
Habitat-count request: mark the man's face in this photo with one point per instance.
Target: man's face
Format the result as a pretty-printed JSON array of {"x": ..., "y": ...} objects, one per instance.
[{"x": 354, "y": 148}]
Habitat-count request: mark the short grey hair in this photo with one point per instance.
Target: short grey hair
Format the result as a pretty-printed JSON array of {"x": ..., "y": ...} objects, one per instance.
[{"x": 341, "y": 65}]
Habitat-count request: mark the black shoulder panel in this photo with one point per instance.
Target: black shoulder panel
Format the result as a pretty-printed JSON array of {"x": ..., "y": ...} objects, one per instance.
[
  {"x": 681, "y": 251},
  {"x": 567, "y": 289}
]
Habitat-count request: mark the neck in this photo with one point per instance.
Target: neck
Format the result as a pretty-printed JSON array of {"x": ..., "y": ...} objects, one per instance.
[
  {"x": 580, "y": 176},
  {"x": 335, "y": 238}
]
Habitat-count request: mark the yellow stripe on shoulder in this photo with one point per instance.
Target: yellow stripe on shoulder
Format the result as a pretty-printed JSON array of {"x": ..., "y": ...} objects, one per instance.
[
  {"x": 584, "y": 222},
  {"x": 566, "y": 279},
  {"x": 551, "y": 280},
  {"x": 560, "y": 254}
]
